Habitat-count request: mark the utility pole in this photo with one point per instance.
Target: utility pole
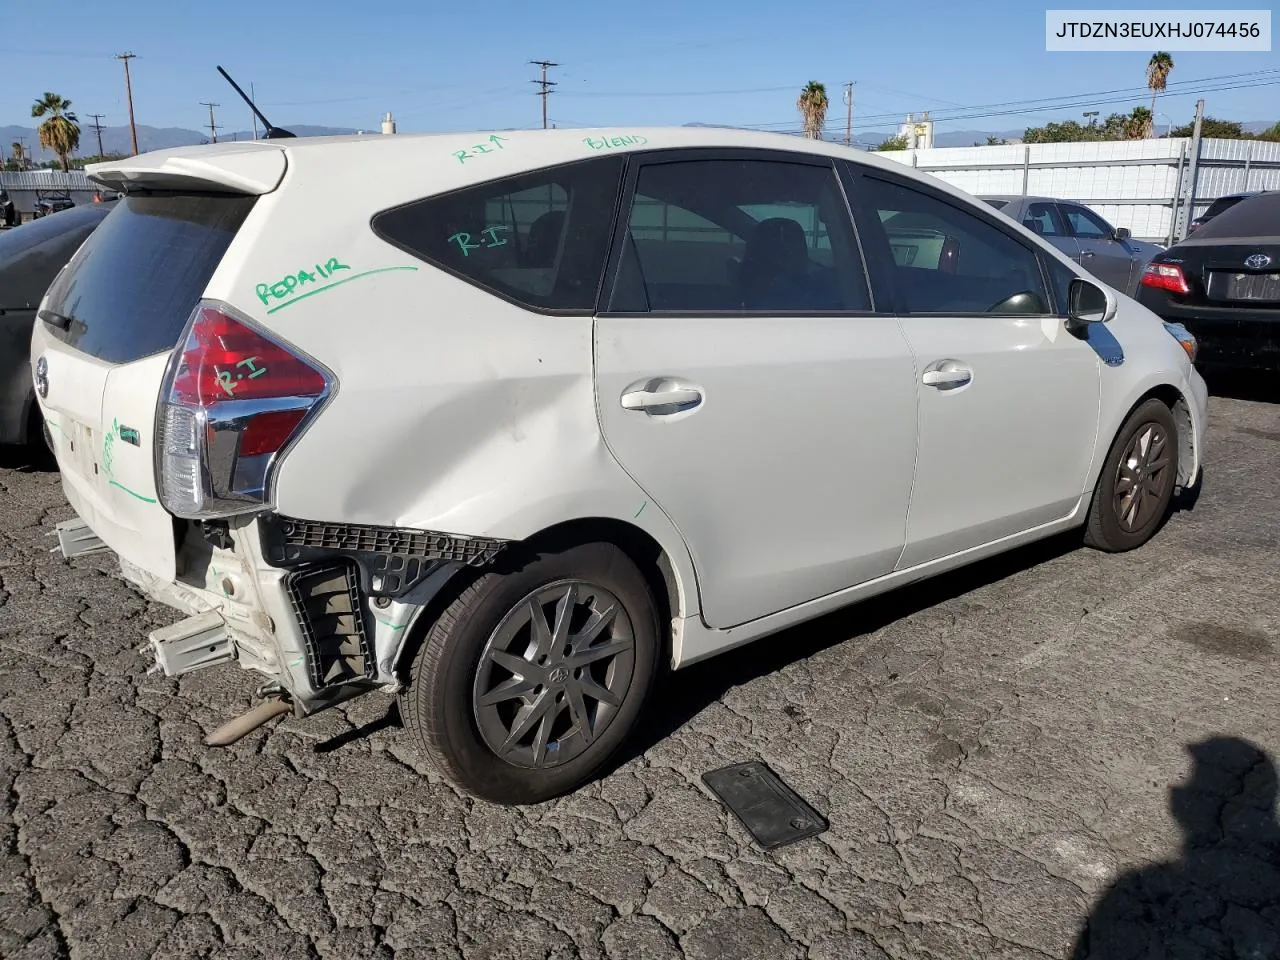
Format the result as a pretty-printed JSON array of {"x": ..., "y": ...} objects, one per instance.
[
  {"x": 23, "y": 159},
  {"x": 848, "y": 116},
  {"x": 545, "y": 84},
  {"x": 128, "y": 91},
  {"x": 213, "y": 129},
  {"x": 97, "y": 128},
  {"x": 1192, "y": 171}
]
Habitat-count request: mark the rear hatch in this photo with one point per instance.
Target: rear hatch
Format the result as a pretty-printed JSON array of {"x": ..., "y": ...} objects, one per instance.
[{"x": 107, "y": 328}]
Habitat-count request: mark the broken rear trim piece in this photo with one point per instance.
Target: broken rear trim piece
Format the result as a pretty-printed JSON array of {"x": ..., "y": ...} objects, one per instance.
[{"x": 392, "y": 560}]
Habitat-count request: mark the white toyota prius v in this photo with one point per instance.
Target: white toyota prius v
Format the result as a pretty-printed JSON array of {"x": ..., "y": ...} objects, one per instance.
[{"x": 531, "y": 417}]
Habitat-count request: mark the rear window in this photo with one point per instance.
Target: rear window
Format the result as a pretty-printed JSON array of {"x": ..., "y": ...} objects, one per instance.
[
  {"x": 130, "y": 289},
  {"x": 1253, "y": 217},
  {"x": 1222, "y": 205},
  {"x": 539, "y": 238}
]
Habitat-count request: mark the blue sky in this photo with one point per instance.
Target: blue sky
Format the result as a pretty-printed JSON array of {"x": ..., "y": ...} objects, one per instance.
[{"x": 465, "y": 65}]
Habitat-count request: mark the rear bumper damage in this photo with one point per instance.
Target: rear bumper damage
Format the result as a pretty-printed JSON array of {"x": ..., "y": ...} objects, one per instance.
[{"x": 320, "y": 610}]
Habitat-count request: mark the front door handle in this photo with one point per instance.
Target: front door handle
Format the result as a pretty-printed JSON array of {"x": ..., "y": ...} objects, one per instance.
[
  {"x": 661, "y": 396},
  {"x": 946, "y": 374}
]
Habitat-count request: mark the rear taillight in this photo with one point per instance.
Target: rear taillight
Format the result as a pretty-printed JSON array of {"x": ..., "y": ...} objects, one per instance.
[
  {"x": 233, "y": 399},
  {"x": 1165, "y": 276}
]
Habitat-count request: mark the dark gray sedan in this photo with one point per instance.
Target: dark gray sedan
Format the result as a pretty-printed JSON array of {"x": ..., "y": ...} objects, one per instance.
[
  {"x": 30, "y": 257},
  {"x": 1110, "y": 253}
]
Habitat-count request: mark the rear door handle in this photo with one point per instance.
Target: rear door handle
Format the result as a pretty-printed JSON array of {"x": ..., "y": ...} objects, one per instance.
[
  {"x": 661, "y": 396},
  {"x": 946, "y": 374},
  {"x": 1087, "y": 253}
]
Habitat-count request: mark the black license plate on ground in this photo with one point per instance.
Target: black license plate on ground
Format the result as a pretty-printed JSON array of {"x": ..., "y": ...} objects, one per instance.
[
  {"x": 1263, "y": 287},
  {"x": 770, "y": 810}
]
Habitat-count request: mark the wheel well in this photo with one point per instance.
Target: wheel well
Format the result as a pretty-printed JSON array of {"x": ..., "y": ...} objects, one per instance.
[
  {"x": 1172, "y": 398},
  {"x": 644, "y": 551}
]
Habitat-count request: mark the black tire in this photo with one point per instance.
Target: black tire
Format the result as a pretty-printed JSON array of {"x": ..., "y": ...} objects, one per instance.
[
  {"x": 1115, "y": 522},
  {"x": 441, "y": 704}
]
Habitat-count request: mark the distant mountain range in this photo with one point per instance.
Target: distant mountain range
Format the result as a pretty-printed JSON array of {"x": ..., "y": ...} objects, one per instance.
[{"x": 116, "y": 139}]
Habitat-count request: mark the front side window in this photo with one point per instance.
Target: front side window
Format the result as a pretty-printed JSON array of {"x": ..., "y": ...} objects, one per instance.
[
  {"x": 1086, "y": 224},
  {"x": 948, "y": 260},
  {"x": 755, "y": 236},
  {"x": 539, "y": 238}
]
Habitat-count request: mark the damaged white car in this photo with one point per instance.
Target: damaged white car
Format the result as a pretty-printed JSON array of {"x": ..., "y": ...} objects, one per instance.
[{"x": 531, "y": 416}]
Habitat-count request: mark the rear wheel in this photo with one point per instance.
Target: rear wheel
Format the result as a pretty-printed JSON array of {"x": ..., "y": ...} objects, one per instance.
[
  {"x": 532, "y": 678},
  {"x": 1135, "y": 488}
]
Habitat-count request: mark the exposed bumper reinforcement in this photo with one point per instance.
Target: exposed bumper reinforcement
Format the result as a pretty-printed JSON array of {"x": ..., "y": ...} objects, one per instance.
[
  {"x": 76, "y": 538},
  {"x": 191, "y": 644}
]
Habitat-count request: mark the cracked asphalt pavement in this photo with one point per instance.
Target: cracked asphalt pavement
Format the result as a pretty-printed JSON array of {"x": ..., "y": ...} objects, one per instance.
[{"x": 995, "y": 750}]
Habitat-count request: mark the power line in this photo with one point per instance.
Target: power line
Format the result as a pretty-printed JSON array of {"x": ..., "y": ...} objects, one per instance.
[
  {"x": 97, "y": 128},
  {"x": 545, "y": 84},
  {"x": 1049, "y": 104},
  {"x": 213, "y": 129},
  {"x": 128, "y": 90}
]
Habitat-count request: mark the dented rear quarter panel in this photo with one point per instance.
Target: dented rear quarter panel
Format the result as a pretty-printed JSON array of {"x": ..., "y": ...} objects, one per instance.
[{"x": 454, "y": 410}]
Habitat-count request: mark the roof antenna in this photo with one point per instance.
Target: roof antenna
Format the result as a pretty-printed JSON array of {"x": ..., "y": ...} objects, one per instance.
[{"x": 273, "y": 133}]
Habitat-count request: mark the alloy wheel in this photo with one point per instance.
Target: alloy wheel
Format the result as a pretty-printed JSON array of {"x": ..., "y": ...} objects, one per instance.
[
  {"x": 554, "y": 673},
  {"x": 1143, "y": 477}
]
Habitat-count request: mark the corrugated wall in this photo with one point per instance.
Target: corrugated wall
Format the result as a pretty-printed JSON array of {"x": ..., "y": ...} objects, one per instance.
[{"x": 1130, "y": 183}]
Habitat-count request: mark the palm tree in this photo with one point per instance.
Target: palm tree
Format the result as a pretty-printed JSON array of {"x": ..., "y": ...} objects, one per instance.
[
  {"x": 1137, "y": 126},
  {"x": 61, "y": 132},
  {"x": 1158, "y": 69},
  {"x": 813, "y": 109}
]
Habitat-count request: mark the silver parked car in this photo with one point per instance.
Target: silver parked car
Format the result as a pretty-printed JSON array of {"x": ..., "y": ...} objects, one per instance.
[{"x": 1110, "y": 253}]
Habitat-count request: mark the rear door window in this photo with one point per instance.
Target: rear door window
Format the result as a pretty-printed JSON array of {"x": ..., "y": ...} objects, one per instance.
[
  {"x": 129, "y": 291},
  {"x": 539, "y": 238},
  {"x": 1043, "y": 218},
  {"x": 739, "y": 236}
]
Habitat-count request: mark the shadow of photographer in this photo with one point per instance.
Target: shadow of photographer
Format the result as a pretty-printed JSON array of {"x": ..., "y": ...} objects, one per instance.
[{"x": 1221, "y": 897}]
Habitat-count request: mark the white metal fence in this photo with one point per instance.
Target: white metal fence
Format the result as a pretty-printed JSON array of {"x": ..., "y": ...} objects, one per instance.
[
  {"x": 24, "y": 188},
  {"x": 1153, "y": 187}
]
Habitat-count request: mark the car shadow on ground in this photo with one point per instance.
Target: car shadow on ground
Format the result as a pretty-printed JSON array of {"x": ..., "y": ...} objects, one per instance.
[
  {"x": 1243, "y": 385},
  {"x": 1221, "y": 896},
  {"x": 687, "y": 692}
]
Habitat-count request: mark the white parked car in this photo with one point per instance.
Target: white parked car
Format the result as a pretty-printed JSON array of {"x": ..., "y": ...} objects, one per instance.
[{"x": 532, "y": 414}]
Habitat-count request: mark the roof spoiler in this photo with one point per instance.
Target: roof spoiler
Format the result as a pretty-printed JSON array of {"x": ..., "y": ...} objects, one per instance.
[{"x": 273, "y": 133}]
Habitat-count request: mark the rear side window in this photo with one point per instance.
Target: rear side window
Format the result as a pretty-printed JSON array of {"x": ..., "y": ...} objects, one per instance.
[
  {"x": 131, "y": 288},
  {"x": 539, "y": 238},
  {"x": 1222, "y": 205}
]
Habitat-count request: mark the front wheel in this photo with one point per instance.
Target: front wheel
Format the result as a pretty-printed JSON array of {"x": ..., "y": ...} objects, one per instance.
[
  {"x": 1135, "y": 489},
  {"x": 529, "y": 682}
]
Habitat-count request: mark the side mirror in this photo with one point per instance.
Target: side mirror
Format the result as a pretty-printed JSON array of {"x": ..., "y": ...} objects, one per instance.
[
  {"x": 1088, "y": 303},
  {"x": 1121, "y": 233}
]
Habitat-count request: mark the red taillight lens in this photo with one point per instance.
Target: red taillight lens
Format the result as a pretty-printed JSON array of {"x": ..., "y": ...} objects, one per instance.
[
  {"x": 267, "y": 432},
  {"x": 1165, "y": 276},
  {"x": 215, "y": 450},
  {"x": 224, "y": 359}
]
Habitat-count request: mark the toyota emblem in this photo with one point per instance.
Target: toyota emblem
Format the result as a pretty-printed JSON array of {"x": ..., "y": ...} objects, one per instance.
[
  {"x": 42, "y": 378},
  {"x": 1257, "y": 261}
]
